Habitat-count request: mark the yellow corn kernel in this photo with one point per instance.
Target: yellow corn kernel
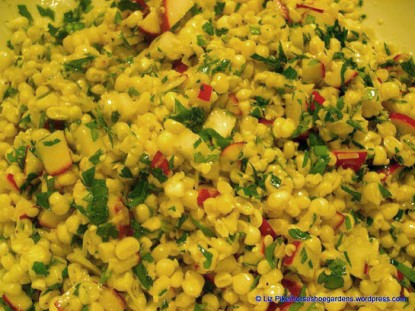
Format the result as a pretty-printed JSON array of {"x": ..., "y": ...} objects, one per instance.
[
  {"x": 263, "y": 267},
  {"x": 152, "y": 224},
  {"x": 408, "y": 228},
  {"x": 106, "y": 251},
  {"x": 389, "y": 90},
  {"x": 193, "y": 283},
  {"x": 176, "y": 279},
  {"x": 242, "y": 282},
  {"x": 63, "y": 234},
  {"x": 166, "y": 267},
  {"x": 183, "y": 300},
  {"x": 223, "y": 279},
  {"x": 283, "y": 128},
  {"x": 58, "y": 203},
  {"x": 7, "y": 261},
  {"x": 161, "y": 251},
  {"x": 127, "y": 247},
  {"x": 230, "y": 296},
  {"x": 278, "y": 201},
  {"x": 410, "y": 249},
  {"x": 253, "y": 235}
]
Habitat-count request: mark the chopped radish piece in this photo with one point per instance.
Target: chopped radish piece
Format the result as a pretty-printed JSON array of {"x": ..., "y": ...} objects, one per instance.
[
  {"x": 304, "y": 6},
  {"x": 180, "y": 67},
  {"x": 366, "y": 269},
  {"x": 288, "y": 260},
  {"x": 205, "y": 92},
  {"x": 143, "y": 5},
  {"x": 392, "y": 169},
  {"x": 233, "y": 105},
  {"x": 404, "y": 123},
  {"x": 283, "y": 10},
  {"x": 233, "y": 151},
  {"x": 206, "y": 193},
  {"x": 159, "y": 161},
  {"x": 316, "y": 98},
  {"x": 32, "y": 164},
  {"x": 266, "y": 122},
  {"x": 313, "y": 71},
  {"x": 266, "y": 229},
  {"x": 55, "y": 154},
  {"x": 110, "y": 297},
  {"x": 353, "y": 159},
  {"x": 222, "y": 121},
  {"x": 174, "y": 11},
  {"x": 337, "y": 221},
  {"x": 293, "y": 287},
  {"x": 150, "y": 25},
  {"x": 12, "y": 181},
  {"x": 272, "y": 306},
  {"x": 125, "y": 230},
  {"x": 399, "y": 275}
]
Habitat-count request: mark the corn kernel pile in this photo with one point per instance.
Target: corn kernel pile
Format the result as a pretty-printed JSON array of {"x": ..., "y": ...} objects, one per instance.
[{"x": 196, "y": 154}]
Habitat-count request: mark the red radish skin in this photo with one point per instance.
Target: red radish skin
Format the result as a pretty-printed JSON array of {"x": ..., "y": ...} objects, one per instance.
[
  {"x": 233, "y": 105},
  {"x": 288, "y": 260},
  {"x": 355, "y": 74},
  {"x": 180, "y": 67},
  {"x": 150, "y": 35},
  {"x": 206, "y": 193},
  {"x": 205, "y": 92},
  {"x": 233, "y": 151},
  {"x": 353, "y": 159},
  {"x": 294, "y": 288},
  {"x": 12, "y": 181},
  {"x": 304, "y": 6},
  {"x": 58, "y": 306},
  {"x": 366, "y": 269},
  {"x": 233, "y": 99},
  {"x": 390, "y": 170},
  {"x": 266, "y": 229},
  {"x": 323, "y": 70},
  {"x": 340, "y": 218},
  {"x": 266, "y": 122},
  {"x": 62, "y": 170},
  {"x": 159, "y": 161},
  {"x": 272, "y": 306},
  {"x": 174, "y": 11},
  {"x": 142, "y": 4},
  {"x": 24, "y": 216},
  {"x": 164, "y": 20},
  {"x": 399, "y": 276},
  {"x": 150, "y": 25},
  {"x": 10, "y": 304},
  {"x": 283, "y": 10},
  {"x": 124, "y": 230},
  {"x": 404, "y": 123},
  {"x": 54, "y": 125},
  {"x": 316, "y": 98},
  {"x": 210, "y": 277}
]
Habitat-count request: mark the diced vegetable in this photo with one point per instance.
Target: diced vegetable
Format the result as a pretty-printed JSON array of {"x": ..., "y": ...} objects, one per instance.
[
  {"x": 353, "y": 159},
  {"x": 206, "y": 193},
  {"x": 205, "y": 92}
]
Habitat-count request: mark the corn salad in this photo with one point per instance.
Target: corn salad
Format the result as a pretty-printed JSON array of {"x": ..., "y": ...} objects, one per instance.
[{"x": 196, "y": 154}]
